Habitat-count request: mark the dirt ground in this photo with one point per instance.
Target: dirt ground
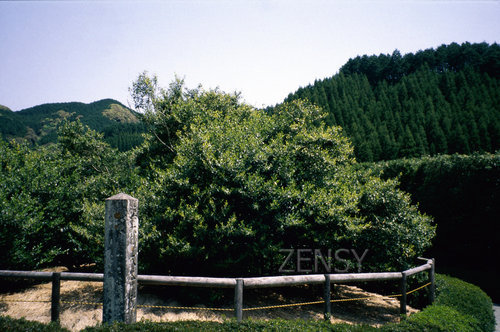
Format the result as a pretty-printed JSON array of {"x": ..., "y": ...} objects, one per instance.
[{"x": 375, "y": 311}]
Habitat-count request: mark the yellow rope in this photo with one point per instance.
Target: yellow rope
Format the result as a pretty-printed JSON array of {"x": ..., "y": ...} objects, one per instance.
[
  {"x": 38, "y": 301},
  {"x": 335, "y": 300},
  {"x": 372, "y": 297},
  {"x": 419, "y": 288},
  {"x": 182, "y": 308},
  {"x": 225, "y": 309},
  {"x": 82, "y": 303},
  {"x": 283, "y": 305},
  {"x": 353, "y": 299}
]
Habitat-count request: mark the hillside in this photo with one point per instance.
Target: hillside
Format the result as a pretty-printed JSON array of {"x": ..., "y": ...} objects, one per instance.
[
  {"x": 9, "y": 124},
  {"x": 38, "y": 125},
  {"x": 444, "y": 100}
]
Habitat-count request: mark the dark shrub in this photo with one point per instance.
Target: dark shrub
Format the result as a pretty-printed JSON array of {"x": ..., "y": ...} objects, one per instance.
[
  {"x": 467, "y": 299},
  {"x": 16, "y": 325}
]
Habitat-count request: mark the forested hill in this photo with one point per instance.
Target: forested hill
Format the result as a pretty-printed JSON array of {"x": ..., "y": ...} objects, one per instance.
[
  {"x": 38, "y": 125},
  {"x": 4, "y": 108},
  {"x": 443, "y": 100},
  {"x": 9, "y": 124}
]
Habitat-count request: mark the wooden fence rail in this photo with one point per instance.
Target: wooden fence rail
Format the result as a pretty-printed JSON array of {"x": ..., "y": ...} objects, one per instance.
[
  {"x": 238, "y": 284},
  {"x": 120, "y": 278}
]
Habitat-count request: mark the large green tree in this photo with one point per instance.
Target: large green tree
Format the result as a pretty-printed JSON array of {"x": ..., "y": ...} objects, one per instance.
[{"x": 226, "y": 186}]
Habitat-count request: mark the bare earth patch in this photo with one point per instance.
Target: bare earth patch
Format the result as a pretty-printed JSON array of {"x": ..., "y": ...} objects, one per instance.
[{"x": 375, "y": 311}]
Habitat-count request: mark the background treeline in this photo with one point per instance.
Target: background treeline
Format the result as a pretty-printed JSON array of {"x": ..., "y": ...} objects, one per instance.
[
  {"x": 462, "y": 193},
  {"x": 124, "y": 136},
  {"x": 9, "y": 125},
  {"x": 441, "y": 101},
  {"x": 37, "y": 125}
]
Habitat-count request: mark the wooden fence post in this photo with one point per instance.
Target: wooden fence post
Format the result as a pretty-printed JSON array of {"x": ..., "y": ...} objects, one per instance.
[
  {"x": 56, "y": 297},
  {"x": 433, "y": 281},
  {"x": 238, "y": 300},
  {"x": 402, "y": 303},
  {"x": 120, "y": 259},
  {"x": 327, "y": 297}
]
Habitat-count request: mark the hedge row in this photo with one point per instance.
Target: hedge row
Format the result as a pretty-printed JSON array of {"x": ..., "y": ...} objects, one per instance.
[
  {"x": 459, "y": 306},
  {"x": 232, "y": 325},
  {"x": 461, "y": 193},
  {"x": 8, "y": 324}
]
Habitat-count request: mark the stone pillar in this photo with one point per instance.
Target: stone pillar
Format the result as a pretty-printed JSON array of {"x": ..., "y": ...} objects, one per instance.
[{"x": 120, "y": 259}]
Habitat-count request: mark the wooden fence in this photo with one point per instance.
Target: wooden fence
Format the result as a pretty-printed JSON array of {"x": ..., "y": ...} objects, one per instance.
[
  {"x": 120, "y": 278},
  {"x": 238, "y": 284}
]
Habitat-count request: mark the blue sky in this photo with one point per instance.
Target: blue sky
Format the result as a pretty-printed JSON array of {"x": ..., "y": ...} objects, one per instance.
[{"x": 60, "y": 51}]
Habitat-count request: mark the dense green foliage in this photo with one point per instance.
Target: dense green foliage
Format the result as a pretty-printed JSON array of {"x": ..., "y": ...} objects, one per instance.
[
  {"x": 223, "y": 187},
  {"x": 467, "y": 299},
  {"x": 51, "y": 198},
  {"x": 228, "y": 186},
  {"x": 437, "y": 318},
  {"x": 9, "y": 124},
  {"x": 459, "y": 306},
  {"x": 8, "y": 324},
  {"x": 124, "y": 136},
  {"x": 462, "y": 193},
  {"x": 231, "y": 325},
  {"x": 480, "y": 57},
  {"x": 435, "y": 101},
  {"x": 120, "y": 125}
]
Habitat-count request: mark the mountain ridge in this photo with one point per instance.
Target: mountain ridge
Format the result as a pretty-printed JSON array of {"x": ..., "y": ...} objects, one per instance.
[
  {"x": 436, "y": 101},
  {"x": 120, "y": 125}
]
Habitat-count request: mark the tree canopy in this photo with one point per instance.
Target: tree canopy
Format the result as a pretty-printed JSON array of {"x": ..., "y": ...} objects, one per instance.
[{"x": 233, "y": 185}]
